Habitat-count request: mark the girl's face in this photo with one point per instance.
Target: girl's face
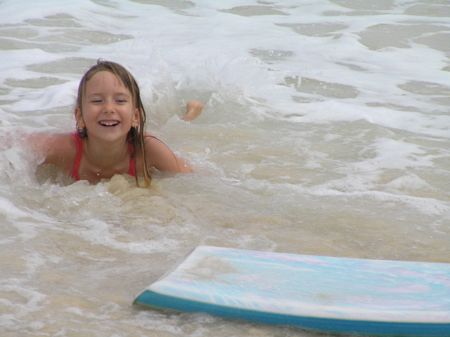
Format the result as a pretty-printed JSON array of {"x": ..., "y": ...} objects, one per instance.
[{"x": 107, "y": 110}]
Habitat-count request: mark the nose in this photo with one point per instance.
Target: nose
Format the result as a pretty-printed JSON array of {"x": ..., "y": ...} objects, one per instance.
[{"x": 108, "y": 107}]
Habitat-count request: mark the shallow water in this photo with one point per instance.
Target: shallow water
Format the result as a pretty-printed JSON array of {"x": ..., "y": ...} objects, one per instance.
[{"x": 326, "y": 131}]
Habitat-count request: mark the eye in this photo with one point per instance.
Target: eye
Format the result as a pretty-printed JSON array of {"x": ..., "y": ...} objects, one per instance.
[
  {"x": 96, "y": 100},
  {"x": 121, "y": 99}
]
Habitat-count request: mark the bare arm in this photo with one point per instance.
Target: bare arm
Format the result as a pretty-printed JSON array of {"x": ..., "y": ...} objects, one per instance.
[{"x": 160, "y": 156}]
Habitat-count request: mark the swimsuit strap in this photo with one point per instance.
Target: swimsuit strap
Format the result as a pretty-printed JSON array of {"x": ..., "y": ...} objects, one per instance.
[
  {"x": 132, "y": 165},
  {"x": 79, "y": 153}
]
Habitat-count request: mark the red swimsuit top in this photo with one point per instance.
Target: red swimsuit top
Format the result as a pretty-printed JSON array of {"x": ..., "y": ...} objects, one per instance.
[{"x": 79, "y": 153}]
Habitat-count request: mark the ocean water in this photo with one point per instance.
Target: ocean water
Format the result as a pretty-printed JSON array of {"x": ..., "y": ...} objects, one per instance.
[{"x": 326, "y": 131}]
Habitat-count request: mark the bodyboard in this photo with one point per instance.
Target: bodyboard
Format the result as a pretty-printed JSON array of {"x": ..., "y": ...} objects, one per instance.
[{"x": 326, "y": 294}]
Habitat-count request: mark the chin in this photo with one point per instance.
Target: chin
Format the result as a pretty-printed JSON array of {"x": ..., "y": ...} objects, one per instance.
[{"x": 112, "y": 135}]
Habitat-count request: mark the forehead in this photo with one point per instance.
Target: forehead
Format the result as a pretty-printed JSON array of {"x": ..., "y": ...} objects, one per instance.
[{"x": 105, "y": 81}]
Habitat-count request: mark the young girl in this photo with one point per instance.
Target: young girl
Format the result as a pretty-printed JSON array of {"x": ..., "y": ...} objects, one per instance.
[{"x": 110, "y": 137}]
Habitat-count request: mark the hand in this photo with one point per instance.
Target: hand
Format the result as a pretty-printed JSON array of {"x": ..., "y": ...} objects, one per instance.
[{"x": 193, "y": 110}]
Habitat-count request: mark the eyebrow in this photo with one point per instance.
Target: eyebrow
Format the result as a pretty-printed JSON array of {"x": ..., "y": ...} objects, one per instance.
[{"x": 114, "y": 94}]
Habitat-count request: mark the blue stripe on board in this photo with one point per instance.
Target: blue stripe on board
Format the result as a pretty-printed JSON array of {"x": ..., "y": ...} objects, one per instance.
[{"x": 152, "y": 299}]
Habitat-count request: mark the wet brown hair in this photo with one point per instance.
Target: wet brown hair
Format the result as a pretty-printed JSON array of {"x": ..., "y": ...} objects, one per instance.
[{"x": 136, "y": 134}]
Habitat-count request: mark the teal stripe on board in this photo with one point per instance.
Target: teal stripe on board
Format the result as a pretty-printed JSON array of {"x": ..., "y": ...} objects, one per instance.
[{"x": 159, "y": 301}]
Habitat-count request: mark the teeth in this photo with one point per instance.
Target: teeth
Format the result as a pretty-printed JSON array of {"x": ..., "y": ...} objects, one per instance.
[{"x": 109, "y": 123}]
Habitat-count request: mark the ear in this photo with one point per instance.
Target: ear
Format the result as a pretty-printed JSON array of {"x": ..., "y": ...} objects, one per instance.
[
  {"x": 79, "y": 118},
  {"x": 136, "y": 118}
]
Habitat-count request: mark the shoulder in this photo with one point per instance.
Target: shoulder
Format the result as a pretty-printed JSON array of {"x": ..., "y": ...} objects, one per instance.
[
  {"x": 157, "y": 153},
  {"x": 161, "y": 157},
  {"x": 56, "y": 149}
]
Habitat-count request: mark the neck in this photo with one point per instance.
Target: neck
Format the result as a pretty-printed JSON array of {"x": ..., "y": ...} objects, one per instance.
[{"x": 105, "y": 155}]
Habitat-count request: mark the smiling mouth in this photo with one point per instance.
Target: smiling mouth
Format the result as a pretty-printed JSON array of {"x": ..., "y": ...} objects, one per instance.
[{"x": 109, "y": 123}]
